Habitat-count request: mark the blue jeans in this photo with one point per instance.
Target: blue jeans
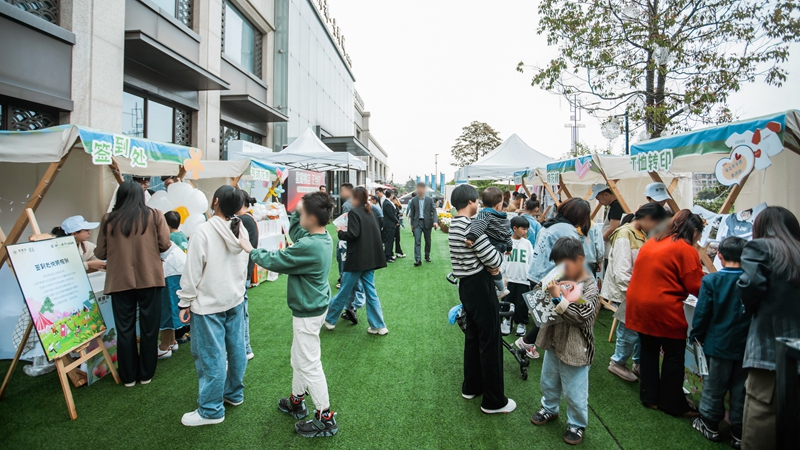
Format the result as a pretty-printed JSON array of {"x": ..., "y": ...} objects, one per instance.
[
  {"x": 214, "y": 335},
  {"x": 627, "y": 345},
  {"x": 573, "y": 382},
  {"x": 419, "y": 232},
  {"x": 247, "y": 348},
  {"x": 357, "y": 299},
  {"x": 724, "y": 375},
  {"x": 341, "y": 250},
  {"x": 350, "y": 282}
]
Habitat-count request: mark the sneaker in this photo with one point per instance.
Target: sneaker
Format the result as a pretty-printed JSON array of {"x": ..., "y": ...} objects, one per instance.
[
  {"x": 131, "y": 384},
  {"x": 468, "y": 396},
  {"x": 400, "y": 255},
  {"x": 174, "y": 346},
  {"x": 185, "y": 339},
  {"x": 323, "y": 424},
  {"x": 712, "y": 435},
  {"x": 530, "y": 349},
  {"x": 194, "y": 419},
  {"x": 350, "y": 314},
  {"x": 231, "y": 402},
  {"x": 637, "y": 369},
  {"x": 338, "y": 285},
  {"x": 505, "y": 327},
  {"x": 621, "y": 371},
  {"x": 736, "y": 442},
  {"x": 510, "y": 406},
  {"x": 427, "y": 259},
  {"x": 541, "y": 417},
  {"x": 521, "y": 331},
  {"x": 250, "y": 356},
  {"x": 294, "y": 406},
  {"x": 164, "y": 354},
  {"x": 329, "y": 326},
  {"x": 417, "y": 263},
  {"x": 391, "y": 260},
  {"x": 143, "y": 382},
  {"x": 503, "y": 293},
  {"x": 574, "y": 436},
  {"x": 379, "y": 331}
]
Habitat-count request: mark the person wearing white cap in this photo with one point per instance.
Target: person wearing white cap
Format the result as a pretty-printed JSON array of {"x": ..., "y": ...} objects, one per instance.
[
  {"x": 80, "y": 229},
  {"x": 656, "y": 193}
]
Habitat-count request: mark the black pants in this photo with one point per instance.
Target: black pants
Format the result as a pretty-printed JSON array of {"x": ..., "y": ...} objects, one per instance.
[
  {"x": 520, "y": 307},
  {"x": 388, "y": 239},
  {"x": 665, "y": 387},
  {"x": 137, "y": 364},
  {"x": 397, "y": 248},
  {"x": 483, "y": 351}
]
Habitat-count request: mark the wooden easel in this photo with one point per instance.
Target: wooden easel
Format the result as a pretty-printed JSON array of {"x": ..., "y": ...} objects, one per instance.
[{"x": 65, "y": 364}]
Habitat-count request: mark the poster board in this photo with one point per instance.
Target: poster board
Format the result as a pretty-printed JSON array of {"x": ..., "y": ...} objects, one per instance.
[
  {"x": 60, "y": 299},
  {"x": 96, "y": 367},
  {"x": 300, "y": 183}
]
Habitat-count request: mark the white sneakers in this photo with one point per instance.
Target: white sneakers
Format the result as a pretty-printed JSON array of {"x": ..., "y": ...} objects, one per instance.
[
  {"x": 164, "y": 354},
  {"x": 250, "y": 356},
  {"x": 231, "y": 402},
  {"x": 468, "y": 396},
  {"x": 503, "y": 293},
  {"x": 329, "y": 326},
  {"x": 379, "y": 331},
  {"x": 530, "y": 349},
  {"x": 521, "y": 331},
  {"x": 510, "y": 406},
  {"x": 505, "y": 327},
  {"x": 194, "y": 419}
]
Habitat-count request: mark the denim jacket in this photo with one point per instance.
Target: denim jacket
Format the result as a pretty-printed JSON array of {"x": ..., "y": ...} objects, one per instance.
[{"x": 545, "y": 240}]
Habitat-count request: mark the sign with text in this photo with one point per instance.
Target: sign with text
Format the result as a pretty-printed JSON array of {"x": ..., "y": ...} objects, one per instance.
[
  {"x": 57, "y": 291},
  {"x": 300, "y": 183}
]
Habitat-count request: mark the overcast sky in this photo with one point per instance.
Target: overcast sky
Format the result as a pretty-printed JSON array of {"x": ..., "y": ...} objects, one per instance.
[{"x": 425, "y": 69}]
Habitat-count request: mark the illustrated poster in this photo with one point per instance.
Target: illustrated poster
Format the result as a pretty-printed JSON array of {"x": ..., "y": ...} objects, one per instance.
[{"x": 56, "y": 288}]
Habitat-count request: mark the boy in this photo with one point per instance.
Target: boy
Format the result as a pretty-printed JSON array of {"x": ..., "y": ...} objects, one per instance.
[
  {"x": 569, "y": 345},
  {"x": 515, "y": 270},
  {"x": 721, "y": 326},
  {"x": 173, "y": 220},
  {"x": 531, "y": 214},
  {"x": 307, "y": 262},
  {"x": 493, "y": 223},
  {"x": 474, "y": 266}
]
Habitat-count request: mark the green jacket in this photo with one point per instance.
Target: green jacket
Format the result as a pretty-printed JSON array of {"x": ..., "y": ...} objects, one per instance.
[{"x": 307, "y": 263}]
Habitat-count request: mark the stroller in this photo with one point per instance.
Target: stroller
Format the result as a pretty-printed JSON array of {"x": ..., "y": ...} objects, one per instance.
[{"x": 518, "y": 355}]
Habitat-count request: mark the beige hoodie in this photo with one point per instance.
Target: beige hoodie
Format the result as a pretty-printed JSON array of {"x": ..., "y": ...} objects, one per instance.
[{"x": 214, "y": 276}]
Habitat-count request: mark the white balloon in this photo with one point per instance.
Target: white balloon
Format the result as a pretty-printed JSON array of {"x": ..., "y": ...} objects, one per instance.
[
  {"x": 180, "y": 193},
  {"x": 161, "y": 201},
  {"x": 191, "y": 223},
  {"x": 197, "y": 202}
]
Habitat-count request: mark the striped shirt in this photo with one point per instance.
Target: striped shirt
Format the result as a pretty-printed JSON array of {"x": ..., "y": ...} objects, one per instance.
[
  {"x": 573, "y": 339},
  {"x": 465, "y": 260}
]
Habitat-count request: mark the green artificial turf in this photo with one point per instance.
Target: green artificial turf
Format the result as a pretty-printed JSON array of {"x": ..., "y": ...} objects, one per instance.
[{"x": 396, "y": 391}]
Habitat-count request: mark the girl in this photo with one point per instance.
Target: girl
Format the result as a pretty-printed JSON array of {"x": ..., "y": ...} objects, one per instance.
[
  {"x": 667, "y": 270},
  {"x": 769, "y": 288},
  {"x": 132, "y": 238},
  {"x": 80, "y": 229},
  {"x": 625, "y": 243},
  {"x": 249, "y": 224},
  {"x": 364, "y": 256},
  {"x": 212, "y": 296}
]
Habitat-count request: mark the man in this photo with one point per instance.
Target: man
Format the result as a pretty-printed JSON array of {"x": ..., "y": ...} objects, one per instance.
[
  {"x": 422, "y": 217},
  {"x": 657, "y": 193},
  {"x": 324, "y": 188},
  {"x": 398, "y": 251},
  {"x": 357, "y": 300},
  {"x": 614, "y": 213},
  {"x": 390, "y": 223},
  {"x": 143, "y": 181}
]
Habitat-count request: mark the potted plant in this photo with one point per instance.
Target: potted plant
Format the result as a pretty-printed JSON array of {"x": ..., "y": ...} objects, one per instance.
[{"x": 444, "y": 221}]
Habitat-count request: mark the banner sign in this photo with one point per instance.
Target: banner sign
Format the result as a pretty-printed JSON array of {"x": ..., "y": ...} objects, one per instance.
[
  {"x": 260, "y": 171},
  {"x": 659, "y": 161},
  {"x": 57, "y": 291},
  {"x": 300, "y": 183}
]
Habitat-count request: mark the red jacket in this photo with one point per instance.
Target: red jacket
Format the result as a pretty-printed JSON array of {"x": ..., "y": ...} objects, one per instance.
[{"x": 665, "y": 273}]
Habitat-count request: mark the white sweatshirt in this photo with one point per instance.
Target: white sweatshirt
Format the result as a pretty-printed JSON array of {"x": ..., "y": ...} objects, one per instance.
[
  {"x": 518, "y": 263},
  {"x": 214, "y": 276}
]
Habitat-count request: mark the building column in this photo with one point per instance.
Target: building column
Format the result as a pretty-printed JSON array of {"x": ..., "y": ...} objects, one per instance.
[{"x": 205, "y": 123}]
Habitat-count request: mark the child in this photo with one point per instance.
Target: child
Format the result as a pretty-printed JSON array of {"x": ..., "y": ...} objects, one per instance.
[
  {"x": 307, "y": 262},
  {"x": 473, "y": 266},
  {"x": 515, "y": 270},
  {"x": 720, "y": 324},
  {"x": 173, "y": 219},
  {"x": 495, "y": 225},
  {"x": 174, "y": 261},
  {"x": 569, "y": 345},
  {"x": 212, "y": 287}
]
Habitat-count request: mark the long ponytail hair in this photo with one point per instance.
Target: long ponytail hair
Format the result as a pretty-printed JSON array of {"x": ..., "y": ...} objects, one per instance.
[
  {"x": 130, "y": 214},
  {"x": 360, "y": 194},
  {"x": 229, "y": 201},
  {"x": 781, "y": 231}
]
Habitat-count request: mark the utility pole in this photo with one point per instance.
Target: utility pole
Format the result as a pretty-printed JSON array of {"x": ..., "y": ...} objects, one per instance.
[
  {"x": 627, "y": 135},
  {"x": 575, "y": 109},
  {"x": 436, "y": 164}
]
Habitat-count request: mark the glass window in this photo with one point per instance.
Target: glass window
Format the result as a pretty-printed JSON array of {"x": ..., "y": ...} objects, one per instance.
[
  {"x": 240, "y": 39},
  {"x": 166, "y": 5},
  {"x": 147, "y": 118},
  {"x": 160, "y": 123},
  {"x": 132, "y": 115},
  {"x": 229, "y": 133}
]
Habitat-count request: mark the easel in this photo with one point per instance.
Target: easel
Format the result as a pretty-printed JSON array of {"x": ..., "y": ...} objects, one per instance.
[{"x": 64, "y": 365}]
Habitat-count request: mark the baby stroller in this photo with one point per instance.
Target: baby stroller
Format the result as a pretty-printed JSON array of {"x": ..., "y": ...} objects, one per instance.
[{"x": 506, "y": 310}]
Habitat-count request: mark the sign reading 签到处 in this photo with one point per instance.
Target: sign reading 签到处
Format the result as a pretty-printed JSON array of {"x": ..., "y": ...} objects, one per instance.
[
  {"x": 105, "y": 146},
  {"x": 552, "y": 177},
  {"x": 658, "y": 161},
  {"x": 57, "y": 291}
]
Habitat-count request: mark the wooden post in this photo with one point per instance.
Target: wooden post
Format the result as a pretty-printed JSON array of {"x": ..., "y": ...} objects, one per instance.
[
  {"x": 550, "y": 191},
  {"x": 525, "y": 187},
  {"x": 673, "y": 205},
  {"x": 612, "y": 184},
  {"x": 563, "y": 186},
  {"x": 596, "y": 210},
  {"x": 732, "y": 195},
  {"x": 181, "y": 172}
]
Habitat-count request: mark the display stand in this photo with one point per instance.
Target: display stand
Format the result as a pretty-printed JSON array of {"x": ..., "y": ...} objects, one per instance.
[{"x": 64, "y": 365}]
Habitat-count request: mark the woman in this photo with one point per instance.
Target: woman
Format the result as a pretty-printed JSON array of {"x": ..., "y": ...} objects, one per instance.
[
  {"x": 249, "y": 224},
  {"x": 132, "y": 238},
  {"x": 667, "y": 271},
  {"x": 769, "y": 288},
  {"x": 80, "y": 229},
  {"x": 625, "y": 242},
  {"x": 573, "y": 219},
  {"x": 212, "y": 298},
  {"x": 364, "y": 256}
]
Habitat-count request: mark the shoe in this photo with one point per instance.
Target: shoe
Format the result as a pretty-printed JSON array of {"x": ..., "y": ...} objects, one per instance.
[
  {"x": 468, "y": 396},
  {"x": 194, "y": 419},
  {"x": 350, "y": 314},
  {"x": 427, "y": 259},
  {"x": 338, "y": 285},
  {"x": 574, "y": 436},
  {"x": 250, "y": 356},
  {"x": 329, "y": 326},
  {"x": 164, "y": 354},
  {"x": 417, "y": 263},
  {"x": 174, "y": 346},
  {"x": 521, "y": 331},
  {"x": 505, "y": 327},
  {"x": 510, "y": 406},
  {"x": 185, "y": 339},
  {"x": 390, "y": 260},
  {"x": 541, "y": 417},
  {"x": 379, "y": 331},
  {"x": 231, "y": 402},
  {"x": 502, "y": 294},
  {"x": 637, "y": 369},
  {"x": 736, "y": 442},
  {"x": 143, "y": 382},
  {"x": 132, "y": 384},
  {"x": 294, "y": 406},
  {"x": 700, "y": 425},
  {"x": 530, "y": 349},
  {"x": 323, "y": 424},
  {"x": 621, "y": 371},
  {"x": 400, "y": 255}
]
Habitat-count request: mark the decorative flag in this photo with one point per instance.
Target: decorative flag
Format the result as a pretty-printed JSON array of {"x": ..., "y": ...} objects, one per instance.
[
  {"x": 441, "y": 183},
  {"x": 433, "y": 182}
]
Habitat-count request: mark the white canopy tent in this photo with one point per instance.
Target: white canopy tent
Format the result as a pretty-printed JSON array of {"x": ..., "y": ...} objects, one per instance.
[
  {"x": 501, "y": 163},
  {"x": 308, "y": 152}
]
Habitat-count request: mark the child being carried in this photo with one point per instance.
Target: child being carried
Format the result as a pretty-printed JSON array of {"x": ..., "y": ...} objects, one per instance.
[{"x": 493, "y": 223}]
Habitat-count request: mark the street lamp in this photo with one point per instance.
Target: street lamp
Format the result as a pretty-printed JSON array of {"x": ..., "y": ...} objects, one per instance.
[
  {"x": 436, "y": 164},
  {"x": 612, "y": 129}
]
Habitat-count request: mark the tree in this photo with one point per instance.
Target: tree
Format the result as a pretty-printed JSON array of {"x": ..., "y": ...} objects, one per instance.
[
  {"x": 670, "y": 63},
  {"x": 476, "y": 140},
  {"x": 410, "y": 185}
]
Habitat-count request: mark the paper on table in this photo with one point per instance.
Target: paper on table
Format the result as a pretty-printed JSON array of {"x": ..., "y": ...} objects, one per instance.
[{"x": 341, "y": 222}]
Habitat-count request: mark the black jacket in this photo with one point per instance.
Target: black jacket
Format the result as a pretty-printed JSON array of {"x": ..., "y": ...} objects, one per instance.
[
  {"x": 364, "y": 244},
  {"x": 390, "y": 218},
  {"x": 429, "y": 215}
]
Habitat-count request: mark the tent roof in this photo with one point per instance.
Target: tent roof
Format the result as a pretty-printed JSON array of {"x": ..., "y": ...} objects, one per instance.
[
  {"x": 502, "y": 162},
  {"x": 308, "y": 152}
]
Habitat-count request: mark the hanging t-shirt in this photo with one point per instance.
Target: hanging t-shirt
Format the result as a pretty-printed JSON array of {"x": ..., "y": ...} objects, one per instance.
[{"x": 518, "y": 262}]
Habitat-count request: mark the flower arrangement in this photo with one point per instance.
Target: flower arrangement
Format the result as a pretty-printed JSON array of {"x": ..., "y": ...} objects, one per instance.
[{"x": 444, "y": 221}]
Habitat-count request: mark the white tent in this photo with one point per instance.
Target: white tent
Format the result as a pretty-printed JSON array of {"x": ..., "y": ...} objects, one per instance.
[
  {"x": 308, "y": 152},
  {"x": 501, "y": 163}
]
